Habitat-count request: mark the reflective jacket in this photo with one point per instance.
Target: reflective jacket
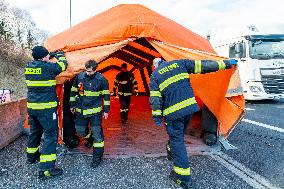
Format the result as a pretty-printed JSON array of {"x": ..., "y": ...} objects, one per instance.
[
  {"x": 41, "y": 84},
  {"x": 90, "y": 94},
  {"x": 171, "y": 95},
  {"x": 125, "y": 82}
]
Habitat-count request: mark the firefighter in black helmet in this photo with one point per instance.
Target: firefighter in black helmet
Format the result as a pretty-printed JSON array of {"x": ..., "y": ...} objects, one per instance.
[
  {"x": 42, "y": 105},
  {"x": 125, "y": 83}
]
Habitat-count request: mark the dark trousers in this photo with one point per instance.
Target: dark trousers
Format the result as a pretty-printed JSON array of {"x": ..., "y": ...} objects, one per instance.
[
  {"x": 209, "y": 122},
  {"x": 46, "y": 124},
  {"x": 95, "y": 122},
  {"x": 124, "y": 106},
  {"x": 176, "y": 129}
]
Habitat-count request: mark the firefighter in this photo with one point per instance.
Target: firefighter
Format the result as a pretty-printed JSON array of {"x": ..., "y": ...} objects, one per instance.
[
  {"x": 42, "y": 105},
  {"x": 172, "y": 98},
  {"x": 125, "y": 82},
  {"x": 89, "y": 98}
]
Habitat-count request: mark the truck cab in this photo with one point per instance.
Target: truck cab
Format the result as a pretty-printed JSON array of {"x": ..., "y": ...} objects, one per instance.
[{"x": 261, "y": 64}]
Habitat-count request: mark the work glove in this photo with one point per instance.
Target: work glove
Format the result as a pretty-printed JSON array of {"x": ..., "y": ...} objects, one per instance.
[
  {"x": 158, "y": 122},
  {"x": 56, "y": 54},
  {"x": 233, "y": 62},
  {"x": 136, "y": 93}
]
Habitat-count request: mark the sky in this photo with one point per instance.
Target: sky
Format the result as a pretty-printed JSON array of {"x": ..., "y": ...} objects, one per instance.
[{"x": 200, "y": 16}]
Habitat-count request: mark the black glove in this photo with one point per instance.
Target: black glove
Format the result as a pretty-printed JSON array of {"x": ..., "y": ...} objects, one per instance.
[
  {"x": 56, "y": 54},
  {"x": 114, "y": 94}
]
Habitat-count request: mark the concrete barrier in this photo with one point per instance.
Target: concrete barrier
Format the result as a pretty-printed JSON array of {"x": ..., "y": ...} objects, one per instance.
[{"x": 12, "y": 118}]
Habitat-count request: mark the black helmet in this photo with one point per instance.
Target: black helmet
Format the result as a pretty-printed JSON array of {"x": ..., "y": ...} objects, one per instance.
[{"x": 39, "y": 52}]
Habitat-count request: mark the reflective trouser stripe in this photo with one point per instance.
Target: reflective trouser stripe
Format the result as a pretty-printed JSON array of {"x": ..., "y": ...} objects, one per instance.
[
  {"x": 47, "y": 158},
  {"x": 47, "y": 83},
  {"x": 123, "y": 110},
  {"x": 125, "y": 94},
  {"x": 42, "y": 106},
  {"x": 91, "y": 93},
  {"x": 197, "y": 66},
  {"x": 156, "y": 112},
  {"x": 155, "y": 94},
  {"x": 172, "y": 80},
  {"x": 221, "y": 64},
  {"x": 62, "y": 65},
  {"x": 182, "y": 171},
  {"x": 105, "y": 92},
  {"x": 72, "y": 99},
  {"x": 180, "y": 105},
  {"x": 107, "y": 103},
  {"x": 32, "y": 150},
  {"x": 98, "y": 144}
]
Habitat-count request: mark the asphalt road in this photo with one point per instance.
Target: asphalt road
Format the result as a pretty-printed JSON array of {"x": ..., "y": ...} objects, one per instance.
[{"x": 257, "y": 163}]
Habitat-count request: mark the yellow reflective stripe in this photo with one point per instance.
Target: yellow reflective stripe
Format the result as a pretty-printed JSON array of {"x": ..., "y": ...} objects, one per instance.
[
  {"x": 221, "y": 64},
  {"x": 47, "y": 83},
  {"x": 182, "y": 171},
  {"x": 99, "y": 144},
  {"x": 172, "y": 80},
  {"x": 90, "y": 111},
  {"x": 41, "y": 106},
  {"x": 133, "y": 81},
  {"x": 197, "y": 66},
  {"x": 156, "y": 112},
  {"x": 47, "y": 158},
  {"x": 105, "y": 92},
  {"x": 155, "y": 93},
  {"x": 106, "y": 102},
  {"x": 72, "y": 99},
  {"x": 122, "y": 82},
  {"x": 62, "y": 65},
  {"x": 32, "y": 70},
  {"x": 74, "y": 89},
  {"x": 32, "y": 150},
  {"x": 62, "y": 58},
  {"x": 179, "y": 106},
  {"x": 115, "y": 87},
  {"x": 91, "y": 93}
]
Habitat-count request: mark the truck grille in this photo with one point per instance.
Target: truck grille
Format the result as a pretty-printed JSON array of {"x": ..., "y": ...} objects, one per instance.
[{"x": 273, "y": 84}]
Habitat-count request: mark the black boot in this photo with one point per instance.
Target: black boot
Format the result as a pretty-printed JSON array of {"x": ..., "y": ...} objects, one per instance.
[
  {"x": 185, "y": 185},
  {"x": 71, "y": 141},
  {"x": 209, "y": 138},
  {"x": 33, "y": 158},
  {"x": 89, "y": 142},
  {"x": 56, "y": 171},
  {"x": 96, "y": 162}
]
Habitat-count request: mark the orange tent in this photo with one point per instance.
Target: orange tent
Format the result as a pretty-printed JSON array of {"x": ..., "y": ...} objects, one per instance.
[{"x": 134, "y": 34}]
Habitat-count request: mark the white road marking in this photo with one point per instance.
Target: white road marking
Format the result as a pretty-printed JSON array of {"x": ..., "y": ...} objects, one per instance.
[
  {"x": 253, "y": 179},
  {"x": 249, "y": 109},
  {"x": 264, "y": 125}
]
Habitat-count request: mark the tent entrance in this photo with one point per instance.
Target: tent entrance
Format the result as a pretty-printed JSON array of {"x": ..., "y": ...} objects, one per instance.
[{"x": 140, "y": 136}]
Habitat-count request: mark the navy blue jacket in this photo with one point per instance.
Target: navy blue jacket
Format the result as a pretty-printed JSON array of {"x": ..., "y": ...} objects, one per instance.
[
  {"x": 90, "y": 94},
  {"x": 171, "y": 95},
  {"x": 41, "y": 84}
]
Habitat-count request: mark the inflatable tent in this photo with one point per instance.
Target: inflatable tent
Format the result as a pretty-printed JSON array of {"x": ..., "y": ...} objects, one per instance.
[{"x": 134, "y": 34}]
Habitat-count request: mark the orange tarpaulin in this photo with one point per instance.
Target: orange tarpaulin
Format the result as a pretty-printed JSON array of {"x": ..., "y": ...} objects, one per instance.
[{"x": 136, "y": 35}]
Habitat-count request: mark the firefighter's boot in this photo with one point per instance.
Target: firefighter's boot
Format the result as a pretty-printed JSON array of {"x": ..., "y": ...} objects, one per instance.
[
  {"x": 185, "y": 185},
  {"x": 209, "y": 139},
  {"x": 56, "y": 171},
  {"x": 33, "y": 158}
]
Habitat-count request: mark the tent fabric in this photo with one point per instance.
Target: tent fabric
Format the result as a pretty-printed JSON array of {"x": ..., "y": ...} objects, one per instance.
[
  {"x": 123, "y": 22},
  {"x": 135, "y": 35}
]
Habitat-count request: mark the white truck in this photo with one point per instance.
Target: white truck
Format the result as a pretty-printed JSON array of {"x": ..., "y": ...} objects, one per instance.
[{"x": 261, "y": 61}]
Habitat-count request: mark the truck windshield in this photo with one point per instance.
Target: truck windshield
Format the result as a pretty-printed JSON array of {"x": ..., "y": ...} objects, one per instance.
[{"x": 266, "y": 49}]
